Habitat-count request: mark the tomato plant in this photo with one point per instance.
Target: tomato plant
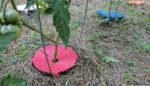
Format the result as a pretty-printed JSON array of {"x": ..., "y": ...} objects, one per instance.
[{"x": 11, "y": 22}]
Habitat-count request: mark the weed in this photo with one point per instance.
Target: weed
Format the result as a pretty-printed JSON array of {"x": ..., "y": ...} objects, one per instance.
[
  {"x": 128, "y": 76},
  {"x": 130, "y": 62},
  {"x": 147, "y": 69},
  {"x": 144, "y": 47},
  {"x": 103, "y": 56},
  {"x": 98, "y": 50},
  {"x": 75, "y": 23}
]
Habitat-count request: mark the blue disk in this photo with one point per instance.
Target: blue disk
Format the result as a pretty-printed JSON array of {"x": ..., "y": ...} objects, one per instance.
[{"x": 111, "y": 14}]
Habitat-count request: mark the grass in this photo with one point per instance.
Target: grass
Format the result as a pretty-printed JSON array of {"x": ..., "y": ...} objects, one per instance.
[
  {"x": 111, "y": 54},
  {"x": 144, "y": 47}
]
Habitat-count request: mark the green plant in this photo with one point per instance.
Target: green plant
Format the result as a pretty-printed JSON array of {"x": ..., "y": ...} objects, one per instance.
[
  {"x": 11, "y": 24},
  {"x": 12, "y": 16},
  {"x": 104, "y": 57},
  {"x": 130, "y": 62},
  {"x": 98, "y": 50},
  {"x": 144, "y": 47},
  {"x": 11, "y": 28},
  {"x": 128, "y": 76},
  {"x": 5, "y": 39},
  {"x": 147, "y": 69},
  {"x": 12, "y": 81},
  {"x": 61, "y": 19}
]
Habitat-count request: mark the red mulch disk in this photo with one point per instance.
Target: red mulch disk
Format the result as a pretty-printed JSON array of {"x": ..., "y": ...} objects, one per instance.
[{"x": 66, "y": 57}]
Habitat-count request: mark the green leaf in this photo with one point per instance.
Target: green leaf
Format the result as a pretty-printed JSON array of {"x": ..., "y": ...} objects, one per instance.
[
  {"x": 29, "y": 3},
  {"x": 47, "y": 1},
  {"x": 48, "y": 11},
  {"x": 40, "y": 2},
  {"x": 12, "y": 81},
  {"x": 5, "y": 39},
  {"x": 61, "y": 19}
]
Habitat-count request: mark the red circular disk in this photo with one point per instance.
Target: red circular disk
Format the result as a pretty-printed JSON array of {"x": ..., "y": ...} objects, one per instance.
[
  {"x": 66, "y": 59},
  {"x": 136, "y": 2}
]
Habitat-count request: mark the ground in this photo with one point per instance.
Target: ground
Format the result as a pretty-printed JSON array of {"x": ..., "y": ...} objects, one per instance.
[{"x": 110, "y": 54}]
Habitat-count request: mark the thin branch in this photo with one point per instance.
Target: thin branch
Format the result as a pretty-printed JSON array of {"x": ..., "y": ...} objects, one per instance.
[
  {"x": 81, "y": 33},
  {"x": 41, "y": 31},
  {"x": 4, "y": 9},
  {"x": 1, "y": 4},
  {"x": 13, "y": 4},
  {"x": 33, "y": 29},
  {"x": 110, "y": 7},
  {"x": 30, "y": 27}
]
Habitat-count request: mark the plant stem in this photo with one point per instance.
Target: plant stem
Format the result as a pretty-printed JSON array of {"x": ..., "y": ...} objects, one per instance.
[
  {"x": 1, "y": 4},
  {"x": 111, "y": 3},
  {"x": 14, "y": 5},
  {"x": 56, "y": 51},
  {"x": 4, "y": 10},
  {"x": 30, "y": 27},
  {"x": 85, "y": 15}
]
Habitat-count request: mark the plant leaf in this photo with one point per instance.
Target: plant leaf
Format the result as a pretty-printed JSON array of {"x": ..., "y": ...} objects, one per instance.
[
  {"x": 47, "y": 1},
  {"x": 61, "y": 19},
  {"x": 12, "y": 81},
  {"x": 5, "y": 39},
  {"x": 40, "y": 2},
  {"x": 49, "y": 10},
  {"x": 29, "y": 3}
]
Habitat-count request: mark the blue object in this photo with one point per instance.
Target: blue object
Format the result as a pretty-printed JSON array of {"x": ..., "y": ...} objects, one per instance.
[{"x": 110, "y": 15}]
